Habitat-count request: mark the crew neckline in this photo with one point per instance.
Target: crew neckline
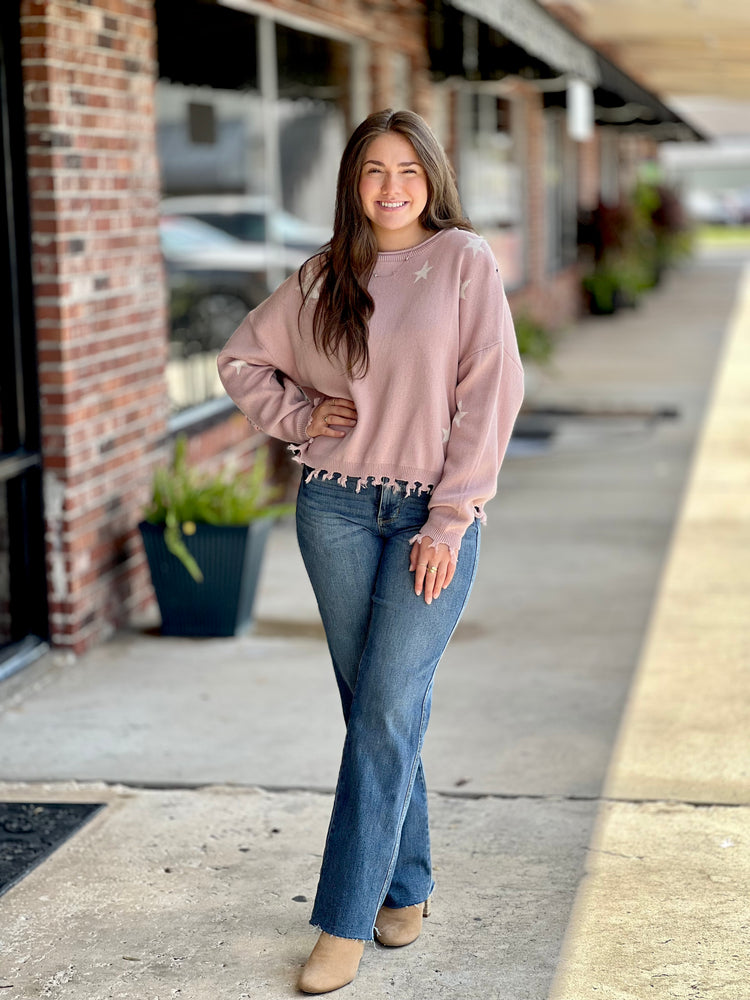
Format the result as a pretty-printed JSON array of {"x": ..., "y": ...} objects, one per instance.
[{"x": 409, "y": 252}]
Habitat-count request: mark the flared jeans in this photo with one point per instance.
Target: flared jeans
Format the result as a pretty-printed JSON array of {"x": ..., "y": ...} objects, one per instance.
[{"x": 385, "y": 643}]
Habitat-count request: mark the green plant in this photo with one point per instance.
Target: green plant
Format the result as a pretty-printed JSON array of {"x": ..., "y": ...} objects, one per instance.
[
  {"x": 602, "y": 285},
  {"x": 183, "y": 497},
  {"x": 534, "y": 341},
  {"x": 631, "y": 243},
  {"x": 619, "y": 278}
]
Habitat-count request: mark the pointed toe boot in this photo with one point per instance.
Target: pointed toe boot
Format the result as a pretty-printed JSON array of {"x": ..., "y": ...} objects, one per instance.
[{"x": 333, "y": 963}]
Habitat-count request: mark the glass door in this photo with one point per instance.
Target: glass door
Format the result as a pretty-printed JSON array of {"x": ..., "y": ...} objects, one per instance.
[{"x": 23, "y": 591}]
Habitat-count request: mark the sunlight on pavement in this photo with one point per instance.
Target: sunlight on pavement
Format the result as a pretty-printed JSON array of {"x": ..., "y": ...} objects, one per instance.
[{"x": 663, "y": 909}]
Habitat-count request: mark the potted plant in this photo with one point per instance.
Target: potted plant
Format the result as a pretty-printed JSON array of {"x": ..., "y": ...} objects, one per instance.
[
  {"x": 204, "y": 537},
  {"x": 534, "y": 340},
  {"x": 618, "y": 279},
  {"x": 625, "y": 247}
]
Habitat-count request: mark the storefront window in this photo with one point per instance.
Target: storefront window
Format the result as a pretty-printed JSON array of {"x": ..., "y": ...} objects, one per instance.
[
  {"x": 248, "y": 145},
  {"x": 491, "y": 180}
]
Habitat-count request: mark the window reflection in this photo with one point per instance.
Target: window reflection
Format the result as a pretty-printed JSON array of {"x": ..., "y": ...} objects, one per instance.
[
  {"x": 491, "y": 179},
  {"x": 247, "y": 181}
]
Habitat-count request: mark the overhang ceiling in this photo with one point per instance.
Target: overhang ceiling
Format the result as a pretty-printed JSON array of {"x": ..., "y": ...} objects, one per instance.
[{"x": 676, "y": 47}]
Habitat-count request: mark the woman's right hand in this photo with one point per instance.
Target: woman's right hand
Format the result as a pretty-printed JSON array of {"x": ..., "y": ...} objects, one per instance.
[{"x": 331, "y": 417}]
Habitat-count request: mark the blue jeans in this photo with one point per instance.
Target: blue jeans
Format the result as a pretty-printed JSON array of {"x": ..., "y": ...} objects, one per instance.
[{"x": 385, "y": 643}]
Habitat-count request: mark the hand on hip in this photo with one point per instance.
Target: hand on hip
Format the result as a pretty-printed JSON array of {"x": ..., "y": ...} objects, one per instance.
[{"x": 331, "y": 418}]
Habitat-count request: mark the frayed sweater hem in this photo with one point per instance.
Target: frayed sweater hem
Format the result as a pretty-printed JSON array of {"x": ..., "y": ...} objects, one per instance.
[{"x": 418, "y": 481}]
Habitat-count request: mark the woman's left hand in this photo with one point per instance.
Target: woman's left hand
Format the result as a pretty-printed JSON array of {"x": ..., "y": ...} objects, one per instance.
[{"x": 432, "y": 568}]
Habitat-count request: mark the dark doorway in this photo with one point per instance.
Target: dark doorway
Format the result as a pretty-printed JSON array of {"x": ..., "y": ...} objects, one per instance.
[{"x": 23, "y": 592}]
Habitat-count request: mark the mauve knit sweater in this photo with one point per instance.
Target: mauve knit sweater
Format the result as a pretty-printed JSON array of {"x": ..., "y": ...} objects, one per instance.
[{"x": 437, "y": 406}]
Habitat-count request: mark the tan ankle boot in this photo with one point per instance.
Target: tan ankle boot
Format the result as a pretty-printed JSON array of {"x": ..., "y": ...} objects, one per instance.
[
  {"x": 332, "y": 964},
  {"x": 395, "y": 928}
]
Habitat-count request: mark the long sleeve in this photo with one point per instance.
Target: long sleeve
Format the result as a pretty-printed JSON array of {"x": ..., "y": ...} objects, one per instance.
[
  {"x": 489, "y": 392},
  {"x": 258, "y": 369},
  {"x": 437, "y": 404}
]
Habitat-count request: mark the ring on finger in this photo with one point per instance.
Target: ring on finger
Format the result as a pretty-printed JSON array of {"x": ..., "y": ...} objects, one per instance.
[
  {"x": 432, "y": 569},
  {"x": 325, "y": 419}
]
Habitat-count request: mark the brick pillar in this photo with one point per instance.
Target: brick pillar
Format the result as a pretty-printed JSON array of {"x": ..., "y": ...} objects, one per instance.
[
  {"x": 589, "y": 172},
  {"x": 89, "y": 70},
  {"x": 381, "y": 82},
  {"x": 535, "y": 188}
]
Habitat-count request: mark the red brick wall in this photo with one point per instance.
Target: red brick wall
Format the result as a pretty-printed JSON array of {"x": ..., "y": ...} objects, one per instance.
[
  {"x": 533, "y": 111},
  {"x": 589, "y": 172},
  {"x": 399, "y": 25},
  {"x": 553, "y": 303},
  {"x": 553, "y": 300},
  {"x": 94, "y": 186}
]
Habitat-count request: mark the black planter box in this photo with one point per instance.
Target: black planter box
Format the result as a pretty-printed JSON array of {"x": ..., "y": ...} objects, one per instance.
[{"x": 229, "y": 557}]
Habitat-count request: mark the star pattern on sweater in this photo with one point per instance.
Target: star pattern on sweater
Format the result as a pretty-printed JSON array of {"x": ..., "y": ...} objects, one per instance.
[
  {"x": 458, "y": 416},
  {"x": 422, "y": 272},
  {"x": 238, "y": 365},
  {"x": 474, "y": 243},
  {"x": 464, "y": 286}
]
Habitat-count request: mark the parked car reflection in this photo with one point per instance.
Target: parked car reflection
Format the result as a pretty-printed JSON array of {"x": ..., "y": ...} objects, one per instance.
[
  {"x": 254, "y": 219},
  {"x": 215, "y": 279}
]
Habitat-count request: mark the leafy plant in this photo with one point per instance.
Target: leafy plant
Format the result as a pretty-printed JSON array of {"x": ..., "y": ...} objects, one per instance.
[
  {"x": 183, "y": 497},
  {"x": 631, "y": 243},
  {"x": 618, "y": 279},
  {"x": 602, "y": 285},
  {"x": 534, "y": 340}
]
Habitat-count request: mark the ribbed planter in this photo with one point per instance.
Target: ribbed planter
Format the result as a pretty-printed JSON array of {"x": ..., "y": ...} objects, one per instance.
[{"x": 230, "y": 558}]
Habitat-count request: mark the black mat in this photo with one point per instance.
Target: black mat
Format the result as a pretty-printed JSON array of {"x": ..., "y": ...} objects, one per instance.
[{"x": 31, "y": 831}]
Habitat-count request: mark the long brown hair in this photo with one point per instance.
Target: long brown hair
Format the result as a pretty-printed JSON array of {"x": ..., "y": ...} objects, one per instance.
[{"x": 343, "y": 268}]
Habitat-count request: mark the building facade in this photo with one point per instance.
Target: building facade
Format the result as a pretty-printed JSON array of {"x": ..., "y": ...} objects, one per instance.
[{"x": 167, "y": 162}]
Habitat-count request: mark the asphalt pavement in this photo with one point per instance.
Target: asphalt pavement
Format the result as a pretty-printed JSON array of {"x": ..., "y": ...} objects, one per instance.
[{"x": 587, "y": 754}]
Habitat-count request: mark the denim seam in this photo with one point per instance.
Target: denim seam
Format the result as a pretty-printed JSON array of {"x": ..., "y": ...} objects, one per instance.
[
  {"x": 422, "y": 733},
  {"x": 407, "y": 798}
]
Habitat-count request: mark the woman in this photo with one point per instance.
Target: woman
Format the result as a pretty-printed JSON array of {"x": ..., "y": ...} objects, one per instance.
[{"x": 390, "y": 364}]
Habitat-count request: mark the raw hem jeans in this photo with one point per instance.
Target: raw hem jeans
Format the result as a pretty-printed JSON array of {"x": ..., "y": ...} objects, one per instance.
[{"x": 385, "y": 643}]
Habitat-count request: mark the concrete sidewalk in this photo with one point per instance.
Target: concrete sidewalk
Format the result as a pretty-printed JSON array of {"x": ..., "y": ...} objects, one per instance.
[
  {"x": 665, "y": 907},
  {"x": 217, "y": 758}
]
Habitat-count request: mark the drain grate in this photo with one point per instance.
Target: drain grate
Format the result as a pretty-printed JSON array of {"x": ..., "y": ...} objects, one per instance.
[{"x": 31, "y": 831}]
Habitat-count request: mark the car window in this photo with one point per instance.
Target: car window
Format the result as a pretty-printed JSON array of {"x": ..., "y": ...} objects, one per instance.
[
  {"x": 295, "y": 232},
  {"x": 250, "y": 226},
  {"x": 185, "y": 235}
]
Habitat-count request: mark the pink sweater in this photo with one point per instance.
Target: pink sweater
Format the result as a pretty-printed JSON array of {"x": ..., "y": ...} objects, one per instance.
[{"x": 437, "y": 406}]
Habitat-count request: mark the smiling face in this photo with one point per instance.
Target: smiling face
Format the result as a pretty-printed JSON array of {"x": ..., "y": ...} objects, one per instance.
[{"x": 393, "y": 191}]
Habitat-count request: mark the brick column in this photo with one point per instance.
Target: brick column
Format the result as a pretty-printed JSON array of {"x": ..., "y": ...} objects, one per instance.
[
  {"x": 535, "y": 187},
  {"x": 589, "y": 172},
  {"x": 89, "y": 70}
]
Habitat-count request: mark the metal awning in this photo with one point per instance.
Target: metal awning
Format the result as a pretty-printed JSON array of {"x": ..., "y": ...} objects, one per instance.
[
  {"x": 530, "y": 26},
  {"x": 485, "y": 40},
  {"x": 620, "y": 99},
  {"x": 622, "y": 102}
]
